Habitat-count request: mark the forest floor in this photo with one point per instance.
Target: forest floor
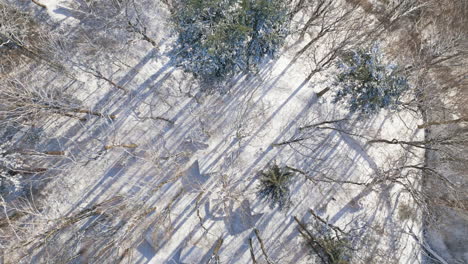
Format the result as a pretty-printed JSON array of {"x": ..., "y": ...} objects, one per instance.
[{"x": 173, "y": 178}]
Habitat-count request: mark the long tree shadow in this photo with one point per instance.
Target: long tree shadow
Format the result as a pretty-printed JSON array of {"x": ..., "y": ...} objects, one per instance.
[{"x": 115, "y": 176}]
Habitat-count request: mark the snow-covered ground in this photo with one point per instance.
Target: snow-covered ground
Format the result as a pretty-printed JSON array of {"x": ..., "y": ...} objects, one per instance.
[{"x": 184, "y": 167}]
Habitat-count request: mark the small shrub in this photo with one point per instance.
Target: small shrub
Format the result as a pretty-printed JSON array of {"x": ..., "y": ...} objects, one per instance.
[
  {"x": 367, "y": 84},
  {"x": 336, "y": 248},
  {"x": 274, "y": 185},
  {"x": 331, "y": 246},
  {"x": 405, "y": 212}
]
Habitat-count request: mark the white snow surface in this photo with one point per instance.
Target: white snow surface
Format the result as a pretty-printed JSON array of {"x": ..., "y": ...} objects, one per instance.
[{"x": 202, "y": 170}]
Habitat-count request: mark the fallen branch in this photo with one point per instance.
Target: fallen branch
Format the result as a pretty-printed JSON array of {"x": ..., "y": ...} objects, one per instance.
[
  {"x": 341, "y": 131},
  {"x": 327, "y": 179},
  {"x": 27, "y": 171},
  {"x": 417, "y": 144},
  {"x": 39, "y": 4},
  {"x": 142, "y": 33},
  {"x": 262, "y": 246},
  {"x": 335, "y": 228},
  {"x": 89, "y": 112},
  {"x": 431, "y": 170},
  {"x": 446, "y": 122},
  {"x": 75, "y": 117},
  {"x": 131, "y": 145},
  {"x": 252, "y": 255},
  {"x": 158, "y": 118},
  {"x": 197, "y": 205},
  {"x": 427, "y": 248},
  {"x": 323, "y": 123},
  {"x": 216, "y": 249},
  {"x": 99, "y": 75},
  {"x": 314, "y": 244},
  {"x": 289, "y": 141},
  {"x": 322, "y": 92},
  {"x": 39, "y": 153}
]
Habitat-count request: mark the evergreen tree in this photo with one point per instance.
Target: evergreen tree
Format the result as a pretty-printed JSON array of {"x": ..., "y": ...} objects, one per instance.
[
  {"x": 274, "y": 185},
  {"x": 219, "y": 38},
  {"x": 367, "y": 84}
]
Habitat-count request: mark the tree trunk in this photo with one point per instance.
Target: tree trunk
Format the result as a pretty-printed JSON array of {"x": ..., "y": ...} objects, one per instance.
[
  {"x": 446, "y": 122},
  {"x": 39, "y": 4},
  {"x": 89, "y": 112}
]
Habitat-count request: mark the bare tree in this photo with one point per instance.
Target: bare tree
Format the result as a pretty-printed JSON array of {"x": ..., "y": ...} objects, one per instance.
[{"x": 23, "y": 104}]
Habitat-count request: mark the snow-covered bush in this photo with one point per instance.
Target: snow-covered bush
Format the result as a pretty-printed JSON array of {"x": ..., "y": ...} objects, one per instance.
[
  {"x": 330, "y": 243},
  {"x": 274, "y": 185},
  {"x": 336, "y": 248},
  {"x": 219, "y": 38},
  {"x": 367, "y": 84},
  {"x": 9, "y": 162}
]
